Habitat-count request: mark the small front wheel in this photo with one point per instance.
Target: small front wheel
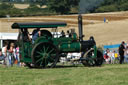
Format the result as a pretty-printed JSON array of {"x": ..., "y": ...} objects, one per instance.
[{"x": 88, "y": 58}]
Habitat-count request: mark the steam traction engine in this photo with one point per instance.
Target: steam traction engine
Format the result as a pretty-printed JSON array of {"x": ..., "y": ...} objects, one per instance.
[{"x": 46, "y": 50}]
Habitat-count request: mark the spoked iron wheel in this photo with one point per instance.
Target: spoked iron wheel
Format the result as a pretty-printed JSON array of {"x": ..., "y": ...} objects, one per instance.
[
  {"x": 44, "y": 55},
  {"x": 89, "y": 61}
]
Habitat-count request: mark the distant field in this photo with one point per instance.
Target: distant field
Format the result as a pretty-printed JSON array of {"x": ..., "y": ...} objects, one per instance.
[
  {"x": 105, "y": 75},
  {"x": 21, "y": 6},
  {"x": 113, "y": 32},
  {"x": 24, "y": 6}
]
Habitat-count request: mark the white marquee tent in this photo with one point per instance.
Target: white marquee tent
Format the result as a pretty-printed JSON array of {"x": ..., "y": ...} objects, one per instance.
[{"x": 7, "y": 36}]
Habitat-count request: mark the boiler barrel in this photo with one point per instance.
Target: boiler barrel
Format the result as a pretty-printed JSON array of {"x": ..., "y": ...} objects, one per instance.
[
  {"x": 70, "y": 47},
  {"x": 76, "y": 46}
]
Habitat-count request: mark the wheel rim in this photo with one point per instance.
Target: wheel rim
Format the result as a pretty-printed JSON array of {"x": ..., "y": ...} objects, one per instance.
[{"x": 44, "y": 55}]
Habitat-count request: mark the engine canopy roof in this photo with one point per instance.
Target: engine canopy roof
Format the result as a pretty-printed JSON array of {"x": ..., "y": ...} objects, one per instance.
[{"x": 38, "y": 25}]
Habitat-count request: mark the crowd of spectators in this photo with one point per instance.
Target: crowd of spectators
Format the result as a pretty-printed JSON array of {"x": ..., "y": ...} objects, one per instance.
[
  {"x": 9, "y": 55},
  {"x": 117, "y": 56},
  {"x": 111, "y": 56}
]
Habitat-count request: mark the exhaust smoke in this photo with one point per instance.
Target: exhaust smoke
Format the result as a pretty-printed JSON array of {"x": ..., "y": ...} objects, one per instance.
[{"x": 88, "y": 5}]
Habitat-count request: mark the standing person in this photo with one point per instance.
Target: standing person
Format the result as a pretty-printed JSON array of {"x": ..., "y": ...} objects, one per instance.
[
  {"x": 107, "y": 56},
  {"x": 17, "y": 55},
  {"x": 121, "y": 52},
  {"x": 126, "y": 54},
  {"x": 104, "y": 20},
  {"x": 11, "y": 54},
  {"x": 1, "y": 57},
  {"x": 116, "y": 58},
  {"x": 4, "y": 49},
  {"x": 63, "y": 33},
  {"x": 35, "y": 34},
  {"x": 112, "y": 57},
  {"x": 4, "y": 52}
]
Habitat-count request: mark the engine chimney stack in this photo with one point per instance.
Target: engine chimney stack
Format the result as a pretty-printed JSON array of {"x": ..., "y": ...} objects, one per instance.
[{"x": 80, "y": 28}]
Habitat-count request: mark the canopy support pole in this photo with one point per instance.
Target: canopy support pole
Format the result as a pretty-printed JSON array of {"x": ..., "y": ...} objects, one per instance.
[{"x": 1, "y": 43}]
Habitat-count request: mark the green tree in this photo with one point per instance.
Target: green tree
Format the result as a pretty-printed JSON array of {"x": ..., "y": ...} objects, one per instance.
[
  {"x": 109, "y": 8},
  {"x": 113, "y": 5},
  {"x": 123, "y": 7},
  {"x": 41, "y": 2},
  {"x": 32, "y": 8},
  {"x": 5, "y": 6},
  {"x": 8, "y": 9},
  {"x": 61, "y": 6}
]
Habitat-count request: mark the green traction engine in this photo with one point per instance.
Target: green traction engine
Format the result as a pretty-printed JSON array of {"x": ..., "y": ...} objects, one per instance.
[{"x": 47, "y": 49}]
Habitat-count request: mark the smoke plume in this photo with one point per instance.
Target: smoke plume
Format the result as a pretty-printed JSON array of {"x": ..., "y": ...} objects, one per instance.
[{"x": 88, "y": 5}]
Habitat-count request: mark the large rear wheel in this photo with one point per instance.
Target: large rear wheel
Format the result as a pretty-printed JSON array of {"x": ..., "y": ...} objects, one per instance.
[{"x": 44, "y": 55}]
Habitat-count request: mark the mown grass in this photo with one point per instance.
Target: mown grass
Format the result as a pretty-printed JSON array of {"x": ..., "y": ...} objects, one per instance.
[{"x": 105, "y": 75}]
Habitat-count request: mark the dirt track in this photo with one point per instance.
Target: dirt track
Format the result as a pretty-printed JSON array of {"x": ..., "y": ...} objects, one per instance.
[{"x": 112, "y": 32}]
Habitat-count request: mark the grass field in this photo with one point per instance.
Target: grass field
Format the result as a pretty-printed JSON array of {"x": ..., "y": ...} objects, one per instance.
[{"x": 105, "y": 75}]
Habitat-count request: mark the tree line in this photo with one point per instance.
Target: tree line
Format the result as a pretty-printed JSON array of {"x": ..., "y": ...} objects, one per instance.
[
  {"x": 61, "y": 7},
  {"x": 112, "y": 5},
  {"x": 52, "y": 7}
]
